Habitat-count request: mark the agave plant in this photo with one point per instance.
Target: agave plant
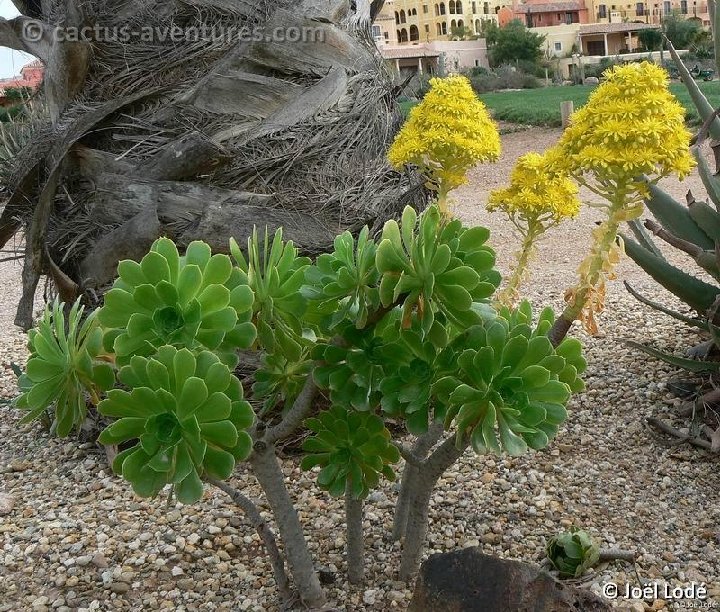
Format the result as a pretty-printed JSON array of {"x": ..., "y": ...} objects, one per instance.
[
  {"x": 511, "y": 386},
  {"x": 197, "y": 300},
  {"x": 572, "y": 553},
  {"x": 63, "y": 368},
  {"x": 187, "y": 416},
  {"x": 276, "y": 278},
  {"x": 352, "y": 448},
  {"x": 435, "y": 265}
]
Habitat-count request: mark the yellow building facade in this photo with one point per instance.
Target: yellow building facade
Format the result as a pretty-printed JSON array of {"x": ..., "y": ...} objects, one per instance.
[
  {"x": 654, "y": 11},
  {"x": 423, "y": 21}
]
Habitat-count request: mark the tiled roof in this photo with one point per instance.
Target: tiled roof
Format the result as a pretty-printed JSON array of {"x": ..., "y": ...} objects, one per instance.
[
  {"x": 549, "y": 7},
  {"x": 609, "y": 28}
]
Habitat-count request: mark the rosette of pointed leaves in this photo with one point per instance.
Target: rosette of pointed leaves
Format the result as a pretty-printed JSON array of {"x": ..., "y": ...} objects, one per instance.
[
  {"x": 352, "y": 448},
  {"x": 573, "y": 552},
  {"x": 406, "y": 388},
  {"x": 279, "y": 379},
  {"x": 198, "y": 301},
  {"x": 276, "y": 275},
  {"x": 346, "y": 281},
  {"x": 435, "y": 265},
  {"x": 188, "y": 416},
  {"x": 510, "y": 388},
  {"x": 62, "y": 367},
  {"x": 353, "y": 366}
]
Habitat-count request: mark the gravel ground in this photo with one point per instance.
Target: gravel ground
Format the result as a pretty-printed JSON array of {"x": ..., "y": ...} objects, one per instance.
[{"x": 77, "y": 538}]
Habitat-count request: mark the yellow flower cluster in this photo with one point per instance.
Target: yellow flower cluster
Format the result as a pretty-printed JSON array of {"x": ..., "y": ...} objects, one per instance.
[
  {"x": 537, "y": 191},
  {"x": 631, "y": 125},
  {"x": 446, "y": 134}
]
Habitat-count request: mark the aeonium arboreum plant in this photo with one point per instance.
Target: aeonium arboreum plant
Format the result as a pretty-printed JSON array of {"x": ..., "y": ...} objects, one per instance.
[
  {"x": 63, "y": 369},
  {"x": 188, "y": 417},
  {"x": 197, "y": 301},
  {"x": 539, "y": 197},
  {"x": 276, "y": 273},
  {"x": 353, "y": 448},
  {"x": 511, "y": 386},
  {"x": 632, "y": 126},
  {"x": 448, "y": 133}
]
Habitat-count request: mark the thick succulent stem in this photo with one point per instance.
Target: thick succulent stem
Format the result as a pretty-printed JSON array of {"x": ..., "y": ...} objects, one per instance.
[
  {"x": 266, "y": 535},
  {"x": 417, "y": 522},
  {"x": 421, "y": 448},
  {"x": 594, "y": 268},
  {"x": 355, "y": 539},
  {"x": 268, "y": 473}
]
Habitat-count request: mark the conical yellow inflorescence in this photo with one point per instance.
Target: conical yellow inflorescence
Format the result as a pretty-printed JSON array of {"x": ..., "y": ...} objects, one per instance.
[{"x": 448, "y": 133}]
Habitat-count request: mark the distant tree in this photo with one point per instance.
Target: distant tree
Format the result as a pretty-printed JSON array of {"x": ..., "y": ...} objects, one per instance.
[
  {"x": 458, "y": 33},
  {"x": 489, "y": 32},
  {"x": 650, "y": 39},
  {"x": 681, "y": 32},
  {"x": 515, "y": 42}
]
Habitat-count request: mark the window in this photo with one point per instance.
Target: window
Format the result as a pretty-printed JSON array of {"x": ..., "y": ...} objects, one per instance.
[
  {"x": 387, "y": 35},
  {"x": 444, "y": 28},
  {"x": 667, "y": 8},
  {"x": 558, "y": 46},
  {"x": 569, "y": 18},
  {"x": 437, "y": 10},
  {"x": 402, "y": 36},
  {"x": 402, "y": 16},
  {"x": 486, "y": 8},
  {"x": 559, "y": 17},
  {"x": 376, "y": 32},
  {"x": 683, "y": 7},
  {"x": 539, "y": 18},
  {"x": 640, "y": 9},
  {"x": 414, "y": 33},
  {"x": 478, "y": 26},
  {"x": 595, "y": 47},
  {"x": 397, "y": 17},
  {"x": 458, "y": 7},
  {"x": 451, "y": 7},
  {"x": 453, "y": 24},
  {"x": 442, "y": 9},
  {"x": 439, "y": 30},
  {"x": 474, "y": 7},
  {"x": 425, "y": 9},
  {"x": 602, "y": 11}
]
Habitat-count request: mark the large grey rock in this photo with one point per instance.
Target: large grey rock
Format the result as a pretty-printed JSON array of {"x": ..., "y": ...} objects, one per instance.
[
  {"x": 468, "y": 581},
  {"x": 591, "y": 81}
]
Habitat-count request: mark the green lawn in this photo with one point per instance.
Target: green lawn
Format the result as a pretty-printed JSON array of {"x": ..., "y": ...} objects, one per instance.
[{"x": 542, "y": 106}]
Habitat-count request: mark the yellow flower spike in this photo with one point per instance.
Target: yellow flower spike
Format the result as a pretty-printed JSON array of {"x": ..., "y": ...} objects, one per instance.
[
  {"x": 631, "y": 126},
  {"x": 539, "y": 196},
  {"x": 448, "y": 133}
]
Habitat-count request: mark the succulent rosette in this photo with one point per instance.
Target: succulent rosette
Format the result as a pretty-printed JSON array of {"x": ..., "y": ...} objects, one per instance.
[
  {"x": 187, "y": 416},
  {"x": 197, "y": 300}
]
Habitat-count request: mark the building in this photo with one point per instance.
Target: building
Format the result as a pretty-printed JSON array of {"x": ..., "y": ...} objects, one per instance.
[
  {"x": 31, "y": 76},
  {"x": 426, "y": 21},
  {"x": 648, "y": 12},
  {"x": 415, "y": 35},
  {"x": 542, "y": 14}
]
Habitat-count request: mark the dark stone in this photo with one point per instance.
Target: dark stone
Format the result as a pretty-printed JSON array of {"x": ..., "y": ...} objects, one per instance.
[{"x": 466, "y": 580}]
